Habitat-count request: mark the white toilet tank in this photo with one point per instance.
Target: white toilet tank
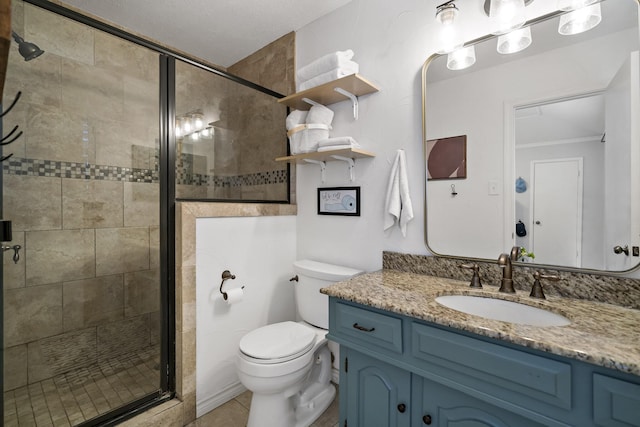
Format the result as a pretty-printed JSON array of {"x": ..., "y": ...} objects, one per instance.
[{"x": 313, "y": 307}]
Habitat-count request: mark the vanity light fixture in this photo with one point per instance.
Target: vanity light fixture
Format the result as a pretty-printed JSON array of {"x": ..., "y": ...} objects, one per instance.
[
  {"x": 462, "y": 58},
  {"x": 506, "y": 15},
  {"x": 450, "y": 39},
  {"x": 515, "y": 41},
  {"x": 192, "y": 126},
  {"x": 580, "y": 20},
  {"x": 568, "y": 5}
]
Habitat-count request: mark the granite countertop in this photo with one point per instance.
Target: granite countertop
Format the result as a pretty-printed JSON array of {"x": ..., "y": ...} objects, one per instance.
[{"x": 601, "y": 334}]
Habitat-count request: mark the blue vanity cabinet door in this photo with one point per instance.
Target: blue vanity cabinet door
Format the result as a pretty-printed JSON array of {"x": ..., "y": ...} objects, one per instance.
[
  {"x": 377, "y": 394},
  {"x": 616, "y": 403},
  {"x": 441, "y": 406}
]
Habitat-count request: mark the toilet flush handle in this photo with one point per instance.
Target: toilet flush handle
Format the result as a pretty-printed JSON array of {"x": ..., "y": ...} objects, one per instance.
[{"x": 294, "y": 278}]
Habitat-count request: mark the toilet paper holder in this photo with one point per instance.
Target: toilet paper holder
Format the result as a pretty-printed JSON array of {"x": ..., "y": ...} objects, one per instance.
[{"x": 225, "y": 276}]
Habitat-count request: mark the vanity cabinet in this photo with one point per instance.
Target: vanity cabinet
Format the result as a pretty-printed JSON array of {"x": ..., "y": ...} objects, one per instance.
[
  {"x": 383, "y": 392},
  {"x": 401, "y": 371}
]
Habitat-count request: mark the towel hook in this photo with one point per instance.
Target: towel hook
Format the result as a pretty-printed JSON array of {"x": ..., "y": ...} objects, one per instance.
[{"x": 226, "y": 275}]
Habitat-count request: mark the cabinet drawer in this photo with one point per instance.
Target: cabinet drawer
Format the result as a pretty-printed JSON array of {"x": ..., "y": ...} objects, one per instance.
[
  {"x": 615, "y": 402},
  {"x": 368, "y": 327},
  {"x": 512, "y": 375}
]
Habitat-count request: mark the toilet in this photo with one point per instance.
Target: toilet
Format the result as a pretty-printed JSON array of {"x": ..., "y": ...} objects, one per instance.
[{"x": 287, "y": 365}]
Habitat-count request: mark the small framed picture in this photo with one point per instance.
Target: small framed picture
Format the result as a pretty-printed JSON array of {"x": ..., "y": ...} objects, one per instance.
[
  {"x": 447, "y": 158},
  {"x": 339, "y": 201}
]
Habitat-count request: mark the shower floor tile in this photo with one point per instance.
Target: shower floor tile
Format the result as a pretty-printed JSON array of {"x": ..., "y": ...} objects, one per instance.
[{"x": 82, "y": 394}]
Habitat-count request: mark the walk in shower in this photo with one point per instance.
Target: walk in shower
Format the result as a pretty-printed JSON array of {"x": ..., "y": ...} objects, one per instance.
[{"x": 89, "y": 188}]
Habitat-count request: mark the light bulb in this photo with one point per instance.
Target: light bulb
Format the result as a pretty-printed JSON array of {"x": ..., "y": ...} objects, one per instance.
[
  {"x": 186, "y": 126},
  {"x": 506, "y": 15},
  {"x": 514, "y": 41},
  {"x": 194, "y": 136},
  {"x": 461, "y": 58},
  {"x": 580, "y": 20}
]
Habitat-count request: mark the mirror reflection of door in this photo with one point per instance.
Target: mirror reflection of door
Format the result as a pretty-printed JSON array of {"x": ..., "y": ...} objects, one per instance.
[
  {"x": 560, "y": 137},
  {"x": 556, "y": 206}
]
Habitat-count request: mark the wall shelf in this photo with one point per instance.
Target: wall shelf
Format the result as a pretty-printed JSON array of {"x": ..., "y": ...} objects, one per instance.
[
  {"x": 326, "y": 94},
  {"x": 326, "y": 156}
]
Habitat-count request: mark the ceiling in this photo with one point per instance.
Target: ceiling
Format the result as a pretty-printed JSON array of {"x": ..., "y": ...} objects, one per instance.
[{"x": 220, "y": 31}]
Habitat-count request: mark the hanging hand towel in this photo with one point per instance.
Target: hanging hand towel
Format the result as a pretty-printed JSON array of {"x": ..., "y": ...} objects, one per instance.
[
  {"x": 397, "y": 206},
  {"x": 324, "y": 64}
]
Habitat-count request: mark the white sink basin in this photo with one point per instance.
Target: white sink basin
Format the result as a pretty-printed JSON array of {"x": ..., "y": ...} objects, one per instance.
[{"x": 506, "y": 311}]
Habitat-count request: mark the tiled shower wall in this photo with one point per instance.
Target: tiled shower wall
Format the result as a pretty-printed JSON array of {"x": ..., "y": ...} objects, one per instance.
[
  {"x": 239, "y": 162},
  {"x": 82, "y": 192}
]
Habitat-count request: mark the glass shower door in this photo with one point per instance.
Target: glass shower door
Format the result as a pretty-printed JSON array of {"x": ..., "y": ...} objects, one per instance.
[{"x": 82, "y": 302}]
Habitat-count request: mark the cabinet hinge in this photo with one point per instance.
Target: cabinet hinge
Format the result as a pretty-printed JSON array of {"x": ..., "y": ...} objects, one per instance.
[{"x": 346, "y": 366}]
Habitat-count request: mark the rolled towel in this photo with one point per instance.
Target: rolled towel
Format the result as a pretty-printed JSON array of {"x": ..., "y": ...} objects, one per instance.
[
  {"x": 345, "y": 141},
  {"x": 324, "y": 64},
  {"x": 329, "y": 76},
  {"x": 319, "y": 114},
  {"x": 295, "y": 118}
]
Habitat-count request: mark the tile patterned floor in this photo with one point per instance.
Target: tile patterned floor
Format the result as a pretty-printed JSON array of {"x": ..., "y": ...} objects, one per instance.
[
  {"x": 76, "y": 396},
  {"x": 235, "y": 413}
]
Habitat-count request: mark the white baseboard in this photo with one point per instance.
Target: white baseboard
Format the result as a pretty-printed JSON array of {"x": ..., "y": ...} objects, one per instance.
[{"x": 210, "y": 403}]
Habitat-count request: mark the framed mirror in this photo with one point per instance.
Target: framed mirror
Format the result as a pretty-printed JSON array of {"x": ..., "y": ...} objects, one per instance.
[{"x": 552, "y": 147}]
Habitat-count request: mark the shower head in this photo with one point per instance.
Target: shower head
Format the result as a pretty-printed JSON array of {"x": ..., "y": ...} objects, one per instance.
[{"x": 28, "y": 50}]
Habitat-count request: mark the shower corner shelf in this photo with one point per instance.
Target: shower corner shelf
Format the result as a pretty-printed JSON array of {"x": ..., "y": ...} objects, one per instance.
[{"x": 331, "y": 92}]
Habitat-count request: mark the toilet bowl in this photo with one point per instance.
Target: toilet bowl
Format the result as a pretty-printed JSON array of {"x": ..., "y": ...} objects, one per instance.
[{"x": 287, "y": 365}]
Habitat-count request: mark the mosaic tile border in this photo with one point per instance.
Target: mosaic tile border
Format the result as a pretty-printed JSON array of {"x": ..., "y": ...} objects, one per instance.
[{"x": 76, "y": 170}]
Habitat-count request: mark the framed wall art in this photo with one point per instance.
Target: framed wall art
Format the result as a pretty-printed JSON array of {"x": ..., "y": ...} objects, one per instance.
[
  {"x": 447, "y": 158},
  {"x": 339, "y": 201}
]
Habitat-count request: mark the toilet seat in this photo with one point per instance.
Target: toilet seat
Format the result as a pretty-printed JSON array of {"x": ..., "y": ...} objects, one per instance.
[{"x": 278, "y": 342}]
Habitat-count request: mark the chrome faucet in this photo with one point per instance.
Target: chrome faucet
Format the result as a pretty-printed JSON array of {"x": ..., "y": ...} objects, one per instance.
[{"x": 506, "y": 284}]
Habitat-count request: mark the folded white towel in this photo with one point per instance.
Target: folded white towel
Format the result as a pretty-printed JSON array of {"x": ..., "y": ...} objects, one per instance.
[
  {"x": 319, "y": 114},
  {"x": 295, "y": 118},
  {"x": 397, "y": 206},
  {"x": 323, "y": 64},
  {"x": 329, "y": 76},
  {"x": 336, "y": 147},
  {"x": 339, "y": 140}
]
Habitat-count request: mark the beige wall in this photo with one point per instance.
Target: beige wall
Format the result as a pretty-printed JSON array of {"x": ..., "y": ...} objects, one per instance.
[{"x": 82, "y": 191}]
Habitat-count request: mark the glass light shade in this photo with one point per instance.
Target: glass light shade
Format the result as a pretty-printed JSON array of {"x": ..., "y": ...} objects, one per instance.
[
  {"x": 461, "y": 58},
  {"x": 506, "y": 15},
  {"x": 198, "y": 121},
  {"x": 186, "y": 125},
  {"x": 580, "y": 20},
  {"x": 514, "y": 41},
  {"x": 574, "y": 4},
  {"x": 449, "y": 39}
]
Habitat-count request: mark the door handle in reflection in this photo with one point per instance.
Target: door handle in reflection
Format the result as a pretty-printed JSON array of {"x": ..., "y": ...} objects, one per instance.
[
  {"x": 538, "y": 223},
  {"x": 619, "y": 249}
]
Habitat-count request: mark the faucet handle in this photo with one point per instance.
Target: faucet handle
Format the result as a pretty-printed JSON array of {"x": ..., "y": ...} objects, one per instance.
[
  {"x": 536, "y": 289},
  {"x": 475, "y": 280}
]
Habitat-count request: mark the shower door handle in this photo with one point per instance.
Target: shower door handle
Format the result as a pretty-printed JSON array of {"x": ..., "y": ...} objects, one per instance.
[{"x": 16, "y": 252}]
